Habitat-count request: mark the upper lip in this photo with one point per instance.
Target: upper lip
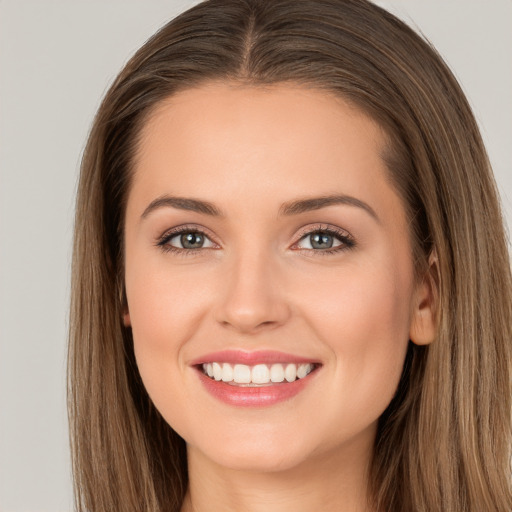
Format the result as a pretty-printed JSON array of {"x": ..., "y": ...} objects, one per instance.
[{"x": 251, "y": 358}]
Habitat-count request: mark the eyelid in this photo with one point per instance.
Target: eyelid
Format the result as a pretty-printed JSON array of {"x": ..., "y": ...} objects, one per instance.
[
  {"x": 163, "y": 239},
  {"x": 347, "y": 240}
]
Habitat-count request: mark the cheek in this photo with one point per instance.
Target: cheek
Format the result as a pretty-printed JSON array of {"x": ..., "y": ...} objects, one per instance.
[
  {"x": 162, "y": 310},
  {"x": 165, "y": 309},
  {"x": 165, "y": 298},
  {"x": 360, "y": 302},
  {"x": 363, "y": 316}
]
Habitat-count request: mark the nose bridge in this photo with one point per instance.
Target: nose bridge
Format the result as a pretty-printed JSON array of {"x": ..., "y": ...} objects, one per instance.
[{"x": 252, "y": 297}]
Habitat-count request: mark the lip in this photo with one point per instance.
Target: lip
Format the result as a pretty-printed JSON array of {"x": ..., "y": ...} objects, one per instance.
[
  {"x": 251, "y": 358},
  {"x": 257, "y": 396},
  {"x": 260, "y": 396}
]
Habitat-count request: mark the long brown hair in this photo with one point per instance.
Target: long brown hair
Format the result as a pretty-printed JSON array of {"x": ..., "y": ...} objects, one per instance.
[{"x": 444, "y": 442}]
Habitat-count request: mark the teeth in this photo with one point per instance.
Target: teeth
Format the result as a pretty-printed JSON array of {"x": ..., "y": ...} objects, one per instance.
[
  {"x": 277, "y": 373},
  {"x": 241, "y": 374},
  {"x": 227, "y": 372},
  {"x": 302, "y": 371},
  {"x": 258, "y": 374},
  {"x": 290, "y": 372},
  {"x": 217, "y": 371}
]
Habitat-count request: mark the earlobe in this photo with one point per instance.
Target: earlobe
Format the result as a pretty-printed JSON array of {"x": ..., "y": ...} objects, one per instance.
[
  {"x": 124, "y": 304},
  {"x": 126, "y": 318},
  {"x": 424, "y": 315}
]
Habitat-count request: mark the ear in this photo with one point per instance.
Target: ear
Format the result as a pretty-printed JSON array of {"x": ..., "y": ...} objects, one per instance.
[
  {"x": 124, "y": 303},
  {"x": 126, "y": 317},
  {"x": 424, "y": 315}
]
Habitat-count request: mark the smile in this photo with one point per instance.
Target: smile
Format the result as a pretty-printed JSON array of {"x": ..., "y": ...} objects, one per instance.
[
  {"x": 257, "y": 375},
  {"x": 255, "y": 379}
]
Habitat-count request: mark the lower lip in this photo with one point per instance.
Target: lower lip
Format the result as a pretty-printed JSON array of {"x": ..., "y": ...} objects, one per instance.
[{"x": 258, "y": 396}]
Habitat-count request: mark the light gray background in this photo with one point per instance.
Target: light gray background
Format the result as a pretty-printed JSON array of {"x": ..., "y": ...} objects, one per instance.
[{"x": 56, "y": 60}]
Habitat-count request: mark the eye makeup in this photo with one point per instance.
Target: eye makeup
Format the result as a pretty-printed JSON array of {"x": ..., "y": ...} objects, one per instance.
[
  {"x": 190, "y": 234},
  {"x": 345, "y": 239},
  {"x": 333, "y": 238}
]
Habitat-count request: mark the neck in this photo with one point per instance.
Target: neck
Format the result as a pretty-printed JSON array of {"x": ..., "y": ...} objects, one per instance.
[{"x": 334, "y": 482}]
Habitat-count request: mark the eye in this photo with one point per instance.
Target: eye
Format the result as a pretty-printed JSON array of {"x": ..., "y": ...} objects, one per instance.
[
  {"x": 191, "y": 240},
  {"x": 319, "y": 240},
  {"x": 185, "y": 239},
  {"x": 325, "y": 240}
]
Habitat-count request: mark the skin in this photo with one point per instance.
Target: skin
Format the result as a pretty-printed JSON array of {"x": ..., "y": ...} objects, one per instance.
[{"x": 258, "y": 284}]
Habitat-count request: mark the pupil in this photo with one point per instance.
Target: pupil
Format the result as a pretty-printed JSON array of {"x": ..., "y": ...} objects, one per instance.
[
  {"x": 192, "y": 240},
  {"x": 321, "y": 241}
]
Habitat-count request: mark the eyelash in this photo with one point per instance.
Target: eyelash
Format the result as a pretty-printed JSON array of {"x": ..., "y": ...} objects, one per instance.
[
  {"x": 163, "y": 241},
  {"x": 347, "y": 241}
]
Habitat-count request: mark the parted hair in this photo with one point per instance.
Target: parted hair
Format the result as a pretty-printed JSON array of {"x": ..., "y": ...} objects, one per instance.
[{"x": 444, "y": 442}]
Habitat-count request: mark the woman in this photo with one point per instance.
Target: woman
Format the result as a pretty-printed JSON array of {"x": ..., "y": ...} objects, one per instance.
[{"x": 291, "y": 284}]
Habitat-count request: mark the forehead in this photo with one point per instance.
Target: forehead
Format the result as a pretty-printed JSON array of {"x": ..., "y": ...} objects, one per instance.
[
  {"x": 225, "y": 141},
  {"x": 302, "y": 116},
  {"x": 259, "y": 107}
]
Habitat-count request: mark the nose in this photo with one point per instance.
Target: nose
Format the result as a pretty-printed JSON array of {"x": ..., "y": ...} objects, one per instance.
[{"x": 252, "y": 297}]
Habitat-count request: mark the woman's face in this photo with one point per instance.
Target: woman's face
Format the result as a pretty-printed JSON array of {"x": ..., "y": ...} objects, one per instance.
[{"x": 263, "y": 238}]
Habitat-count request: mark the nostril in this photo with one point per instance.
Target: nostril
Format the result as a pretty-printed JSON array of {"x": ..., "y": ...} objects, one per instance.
[{"x": 246, "y": 318}]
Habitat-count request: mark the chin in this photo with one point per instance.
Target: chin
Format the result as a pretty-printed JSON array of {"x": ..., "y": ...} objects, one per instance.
[
  {"x": 256, "y": 460},
  {"x": 262, "y": 452}
]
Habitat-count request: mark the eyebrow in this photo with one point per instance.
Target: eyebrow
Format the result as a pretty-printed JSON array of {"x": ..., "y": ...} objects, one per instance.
[
  {"x": 183, "y": 203},
  {"x": 287, "y": 209},
  {"x": 315, "y": 203}
]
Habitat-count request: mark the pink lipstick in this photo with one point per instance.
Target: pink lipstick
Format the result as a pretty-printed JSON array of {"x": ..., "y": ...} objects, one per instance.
[{"x": 257, "y": 379}]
